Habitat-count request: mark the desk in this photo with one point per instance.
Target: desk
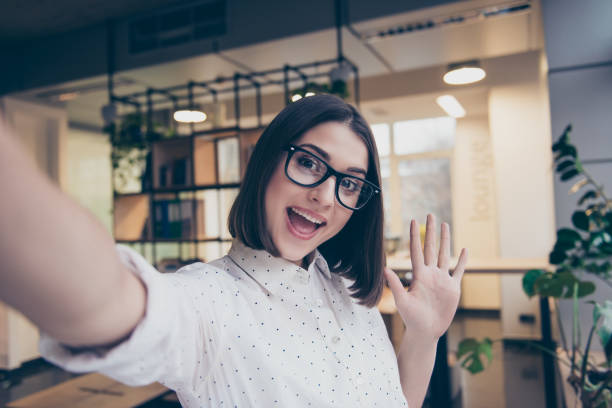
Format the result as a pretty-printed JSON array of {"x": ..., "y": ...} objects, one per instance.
[{"x": 91, "y": 390}]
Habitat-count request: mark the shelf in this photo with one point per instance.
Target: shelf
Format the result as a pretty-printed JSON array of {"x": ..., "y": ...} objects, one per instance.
[
  {"x": 191, "y": 183},
  {"x": 130, "y": 217}
]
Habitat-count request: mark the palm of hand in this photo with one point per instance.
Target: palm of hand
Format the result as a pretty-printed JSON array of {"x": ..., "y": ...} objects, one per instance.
[{"x": 429, "y": 306}]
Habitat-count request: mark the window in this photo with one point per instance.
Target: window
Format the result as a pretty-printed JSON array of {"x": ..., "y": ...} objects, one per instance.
[{"x": 415, "y": 161}]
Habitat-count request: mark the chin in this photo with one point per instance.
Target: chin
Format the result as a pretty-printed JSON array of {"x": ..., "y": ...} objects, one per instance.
[{"x": 293, "y": 253}]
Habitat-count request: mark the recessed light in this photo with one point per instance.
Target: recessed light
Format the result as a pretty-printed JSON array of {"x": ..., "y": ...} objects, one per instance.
[
  {"x": 451, "y": 106},
  {"x": 464, "y": 73},
  {"x": 189, "y": 116}
]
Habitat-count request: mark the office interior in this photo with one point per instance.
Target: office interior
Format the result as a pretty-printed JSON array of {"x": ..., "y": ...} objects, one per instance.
[{"x": 488, "y": 169}]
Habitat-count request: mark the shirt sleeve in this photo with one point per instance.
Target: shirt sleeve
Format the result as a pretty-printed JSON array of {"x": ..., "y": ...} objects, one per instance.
[{"x": 163, "y": 347}]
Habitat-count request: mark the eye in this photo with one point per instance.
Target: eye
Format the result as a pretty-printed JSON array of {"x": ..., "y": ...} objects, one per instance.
[
  {"x": 350, "y": 186},
  {"x": 308, "y": 162}
]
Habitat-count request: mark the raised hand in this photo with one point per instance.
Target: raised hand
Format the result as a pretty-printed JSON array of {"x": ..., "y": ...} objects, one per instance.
[{"x": 428, "y": 307}]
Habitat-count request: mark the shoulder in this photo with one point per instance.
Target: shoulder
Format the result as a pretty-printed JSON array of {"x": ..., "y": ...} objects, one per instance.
[{"x": 214, "y": 278}]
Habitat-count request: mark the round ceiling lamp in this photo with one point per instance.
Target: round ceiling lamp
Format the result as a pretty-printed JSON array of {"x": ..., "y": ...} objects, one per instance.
[
  {"x": 463, "y": 73},
  {"x": 189, "y": 116}
]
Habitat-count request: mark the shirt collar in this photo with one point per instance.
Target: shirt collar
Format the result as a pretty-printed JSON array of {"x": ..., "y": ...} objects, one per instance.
[{"x": 274, "y": 273}]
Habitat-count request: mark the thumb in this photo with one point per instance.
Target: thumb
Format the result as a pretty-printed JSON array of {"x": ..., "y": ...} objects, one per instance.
[{"x": 394, "y": 283}]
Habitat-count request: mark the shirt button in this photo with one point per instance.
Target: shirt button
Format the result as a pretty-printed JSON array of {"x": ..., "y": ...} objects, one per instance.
[
  {"x": 335, "y": 339},
  {"x": 319, "y": 302}
]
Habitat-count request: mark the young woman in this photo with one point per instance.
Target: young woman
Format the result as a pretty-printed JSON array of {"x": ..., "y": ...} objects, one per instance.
[{"x": 286, "y": 318}]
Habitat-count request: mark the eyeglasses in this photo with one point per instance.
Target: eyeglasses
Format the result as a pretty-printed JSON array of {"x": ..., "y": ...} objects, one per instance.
[{"x": 308, "y": 170}]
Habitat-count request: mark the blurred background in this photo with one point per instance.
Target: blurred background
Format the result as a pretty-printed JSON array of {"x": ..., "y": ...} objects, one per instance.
[{"x": 465, "y": 99}]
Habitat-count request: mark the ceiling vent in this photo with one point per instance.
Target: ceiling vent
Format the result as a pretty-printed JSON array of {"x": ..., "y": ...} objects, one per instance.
[
  {"x": 469, "y": 16},
  {"x": 177, "y": 25}
]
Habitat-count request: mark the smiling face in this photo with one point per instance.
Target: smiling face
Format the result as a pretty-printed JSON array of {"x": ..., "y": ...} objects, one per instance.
[{"x": 299, "y": 219}]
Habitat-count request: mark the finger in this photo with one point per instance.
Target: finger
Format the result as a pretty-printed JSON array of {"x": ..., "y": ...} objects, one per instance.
[
  {"x": 430, "y": 240},
  {"x": 460, "y": 267},
  {"x": 395, "y": 284},
  {"x": 444, "y": 254},
  {"x": 416, "y": 255}
]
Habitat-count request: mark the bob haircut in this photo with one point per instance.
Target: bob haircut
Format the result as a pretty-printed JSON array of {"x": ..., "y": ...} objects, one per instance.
[{"x": 356, "y": 252}]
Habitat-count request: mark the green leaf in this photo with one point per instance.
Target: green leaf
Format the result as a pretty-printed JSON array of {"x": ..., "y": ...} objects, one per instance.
[
  {"x": 561, "y": 285},
  {"x": 565, "y": 165},
  {"x": 547, "y": 286},
  {"x": 471, "y": 351},
  {"x": 589, "y": 195},
  {"x": 556, "y": 257},
  {"x": 568, "y": 235},
  {"x": 569, "y": 174},
  {"x": 529, "y": 280},
  {"x": 598, "y": 239},
  {"x": 585, "y": 288},
  {"x": 563, "y": 246},
  {"x": 604, "y": 311},
  {"x": 606, "y": 248},
  {"x": 563, "y": 139},
  {"x": 576, "y": 262},
  {"x": 566, "y": 150},
  {"x": 580, "y": 220}
]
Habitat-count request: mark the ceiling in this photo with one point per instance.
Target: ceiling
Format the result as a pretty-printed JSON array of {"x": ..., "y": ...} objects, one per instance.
[
  {"x": 25, "y": 19},
  {"x": 427, "y": 51}
]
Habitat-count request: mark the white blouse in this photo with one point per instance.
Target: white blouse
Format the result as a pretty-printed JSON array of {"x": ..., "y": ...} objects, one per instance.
[{"x": 250, "y": 330}]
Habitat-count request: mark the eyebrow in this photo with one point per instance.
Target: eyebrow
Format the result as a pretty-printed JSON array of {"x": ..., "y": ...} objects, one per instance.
[{"x": 325, "y": 155}]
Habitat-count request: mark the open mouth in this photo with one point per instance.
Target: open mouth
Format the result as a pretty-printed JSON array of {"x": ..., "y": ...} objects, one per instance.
[{"x": 303, "y": 223}]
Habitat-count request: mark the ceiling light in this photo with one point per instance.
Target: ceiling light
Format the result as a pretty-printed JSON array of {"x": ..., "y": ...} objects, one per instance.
[
  {"x": 451, "y": 106},
  {"x": 189, "y": 116},
  {"x": 463, "y": 73}
]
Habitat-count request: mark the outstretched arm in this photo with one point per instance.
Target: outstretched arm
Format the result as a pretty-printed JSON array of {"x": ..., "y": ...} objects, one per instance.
[
  {"x": 427, "y": 308},
  {"x": 59, "y": 265}
]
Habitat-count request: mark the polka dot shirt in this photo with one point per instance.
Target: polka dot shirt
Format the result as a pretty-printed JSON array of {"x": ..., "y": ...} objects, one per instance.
[{"x": 250, "y": 330}]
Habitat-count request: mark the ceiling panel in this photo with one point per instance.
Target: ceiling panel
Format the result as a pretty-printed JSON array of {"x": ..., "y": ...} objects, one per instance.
[
  {"x": 317, "y": 46},
  {"x": 489, "y": 38},
  {"x": 473, "y": 100},
  {"x": 200, "y": 68}
]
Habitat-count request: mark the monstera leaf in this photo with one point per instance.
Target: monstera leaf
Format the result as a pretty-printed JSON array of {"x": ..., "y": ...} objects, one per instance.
[
  {"x": 555, "y": 284},
  {"x": 471, "y": 352}
]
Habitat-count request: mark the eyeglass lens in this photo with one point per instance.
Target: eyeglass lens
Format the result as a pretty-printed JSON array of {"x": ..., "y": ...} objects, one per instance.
[{"x": 306, "y": 169}]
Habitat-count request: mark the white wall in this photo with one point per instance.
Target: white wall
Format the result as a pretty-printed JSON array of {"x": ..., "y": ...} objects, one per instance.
[
  {"x": 521, "y": 140},
  {"x": 88, "y": 169},
  {"x": 579, "y": 50}
]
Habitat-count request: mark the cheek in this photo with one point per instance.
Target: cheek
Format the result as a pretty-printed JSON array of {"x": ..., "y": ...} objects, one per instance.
[
  {"x": 341, "y": 218},
  {"x": 274, "y": 192}
]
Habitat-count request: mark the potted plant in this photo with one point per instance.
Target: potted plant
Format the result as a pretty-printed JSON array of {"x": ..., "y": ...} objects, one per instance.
[
  {"x": 131, "y": 154},
  {"x": 584, "y": 249}
]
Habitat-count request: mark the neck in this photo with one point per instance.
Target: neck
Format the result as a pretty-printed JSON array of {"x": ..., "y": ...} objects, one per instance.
[{"x": 304, "y": 262}]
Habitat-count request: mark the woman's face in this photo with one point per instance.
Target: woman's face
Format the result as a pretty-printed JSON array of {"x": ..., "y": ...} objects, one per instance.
[{"x": 286, "y": 202}]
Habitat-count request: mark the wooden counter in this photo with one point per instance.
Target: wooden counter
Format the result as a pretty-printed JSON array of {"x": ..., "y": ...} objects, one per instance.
[{"x": 91, "y": 390}]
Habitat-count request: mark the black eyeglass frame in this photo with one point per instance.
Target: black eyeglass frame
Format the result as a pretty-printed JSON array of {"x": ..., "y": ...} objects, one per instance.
[{"x": 291, "y": 149}]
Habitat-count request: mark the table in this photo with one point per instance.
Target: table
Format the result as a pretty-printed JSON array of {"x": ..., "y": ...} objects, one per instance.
[{"x": 90, "y": 390}]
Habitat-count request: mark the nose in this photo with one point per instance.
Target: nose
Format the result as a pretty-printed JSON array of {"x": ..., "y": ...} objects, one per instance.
[{"x": 324, "y": 193}]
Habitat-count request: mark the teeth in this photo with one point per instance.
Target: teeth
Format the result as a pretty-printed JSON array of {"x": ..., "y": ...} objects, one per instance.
[{"x": 308, "y": 217}]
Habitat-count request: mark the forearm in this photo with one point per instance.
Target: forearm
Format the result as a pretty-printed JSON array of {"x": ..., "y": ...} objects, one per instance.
[
  {"x": 415, "y": 359},
  {"x": 59, "y": 265}
]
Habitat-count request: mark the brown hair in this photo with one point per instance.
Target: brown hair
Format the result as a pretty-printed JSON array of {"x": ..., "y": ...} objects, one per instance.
[{"x": 356, "y": 252}]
